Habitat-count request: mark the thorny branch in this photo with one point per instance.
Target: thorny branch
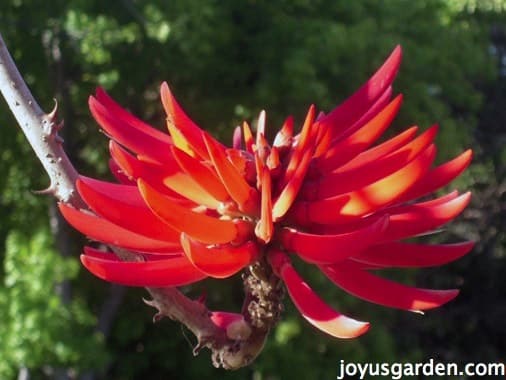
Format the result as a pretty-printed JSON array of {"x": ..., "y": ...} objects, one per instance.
[{"x": 262, "y": 301}]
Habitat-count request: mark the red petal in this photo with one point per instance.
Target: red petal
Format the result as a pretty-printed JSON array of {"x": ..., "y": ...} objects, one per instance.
[
  {"x": 314, "y": 309},
  {"x": 411, "y": 149},
  {"x": 364, "y": 285},
  {"x": 362, "y": 100},
  {"x": 382, "y": 149},
  {"x": 123, "y": 205},
  {"x": 327, "y": 249},
  {"x": 129, "y": 136},
  {"x": 411, "y": 220},
  {"x": 347, "y": 148},
  {"x": 175, "y": 271},
  {"x": 119, "y": 174},
  {"x": 107, "y": 232},
  {"x": 403, "y": 255},
  {"x": 115, "y": 110}
]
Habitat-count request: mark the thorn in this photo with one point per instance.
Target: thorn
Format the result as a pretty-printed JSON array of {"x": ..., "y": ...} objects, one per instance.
[
  {"x": 50, "y": 190},
  {"x": 152, "y": 303},
  {"x": 52, "y": 115}
]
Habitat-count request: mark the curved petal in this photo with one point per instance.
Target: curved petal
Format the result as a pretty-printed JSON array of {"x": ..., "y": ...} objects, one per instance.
[
  {"x": 153, "y": 173},
  {"x": 115, "y": 110},
  {"x": 367, "y": 199},
  {"x": 187, "y": 128},
  {"x": 411, "y": 220},
  {"x": 174, "y": 271},
  {"x": 364, "y": 285},
  {"x": 288, "y": 194},
  {"x": 107, "y": 232},
  {"x": 203, "y": 228},
  {"x": 345, "y": 149},
  {"x": 119, "y": 174},
  {"x": 124, "y": 208},
  {"x": 327, "y": 249},
  {"x": 219, "y": 261},
  {"x": 404, "y": 255},
  {"x": 312, "y": 307},
  {"x": 201, "y": 174},
  {"x": 357, "y": 104},
  {"x": 240, "y": 191},
  {"x": 265, "y": 226},
  {"x": 382, "y": 149},
  {"x": 129, "y": 136},
  {"x": 440, "y": 176}
]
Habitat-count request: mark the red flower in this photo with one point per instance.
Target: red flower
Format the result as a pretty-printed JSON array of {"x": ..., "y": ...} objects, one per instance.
[{"x": 194, "y": 208}]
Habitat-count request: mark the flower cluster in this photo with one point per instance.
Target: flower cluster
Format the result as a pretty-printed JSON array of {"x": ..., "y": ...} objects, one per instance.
[{"x": 194, "y": 208}]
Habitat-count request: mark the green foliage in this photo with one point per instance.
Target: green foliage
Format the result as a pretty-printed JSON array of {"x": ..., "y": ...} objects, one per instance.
[{"x": 37, "y": 329}]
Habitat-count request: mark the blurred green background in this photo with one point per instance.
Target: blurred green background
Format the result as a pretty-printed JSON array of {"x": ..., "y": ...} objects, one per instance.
[{"x": 225, "y": 61}]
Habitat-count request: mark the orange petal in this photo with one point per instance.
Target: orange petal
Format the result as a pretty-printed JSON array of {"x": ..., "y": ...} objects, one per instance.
[
  {"x": 219, "y": 261},
  {"x": 239, "y": 190},
  {"x": 119, "y": 174},
  {"x": 149, "y": 171},
  {"x": 201, "y": 227},
  {"x": 283, "y": 138},
  {"x": 187, "y": 128},
  {"x": 265, "y": 227},
  {"x": 201, "y": 174},
  {"x": 285, "y": 200},
  {"x": 179, "y": 139},
  {"x": 248, "y": 137},
  {"x": 440, "y": 176},
  {"x": 350, "y": 177},
  {"x": 368, "y": 199}
]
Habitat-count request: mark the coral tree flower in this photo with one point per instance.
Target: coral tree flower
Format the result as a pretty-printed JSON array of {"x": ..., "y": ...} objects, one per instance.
[{"x": 194, "y": 208}]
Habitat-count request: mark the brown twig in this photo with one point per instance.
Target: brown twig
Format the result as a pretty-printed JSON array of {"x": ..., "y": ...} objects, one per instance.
[{"x": 261, "y": 309}]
